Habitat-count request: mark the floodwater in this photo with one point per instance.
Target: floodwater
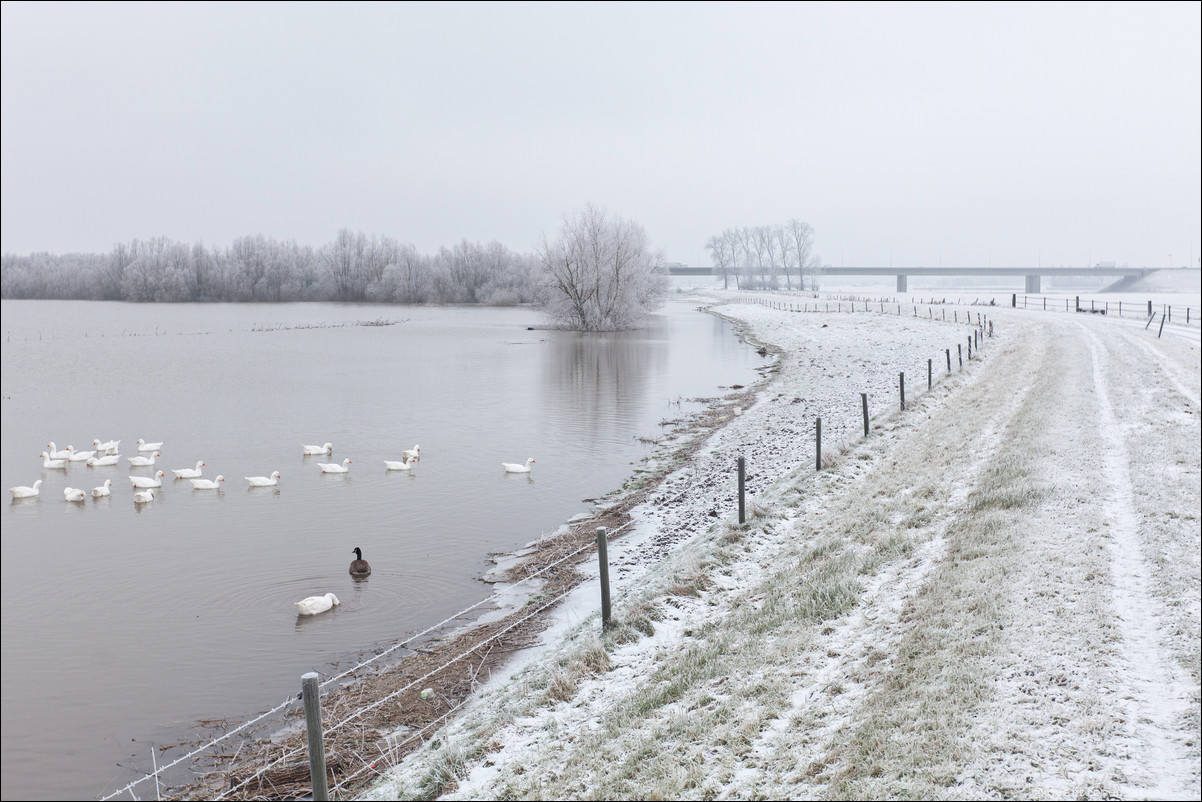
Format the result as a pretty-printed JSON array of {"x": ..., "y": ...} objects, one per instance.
[{"x": 123, "y": 625}]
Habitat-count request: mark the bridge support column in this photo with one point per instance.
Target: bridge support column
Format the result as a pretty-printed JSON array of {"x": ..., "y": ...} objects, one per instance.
[
  {"x": 901, "y": 283},
  {"x": 1032, "y": 284}
]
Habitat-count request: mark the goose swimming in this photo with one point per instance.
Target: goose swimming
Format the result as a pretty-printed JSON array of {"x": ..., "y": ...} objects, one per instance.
[
  {"x": 21, "y": 491},
  {"x": 264, "y": 481},
  {"x": 142, "y": 481},
  {"x": 511, "y": 467},
  {"x": 359, "y": 566},
  {"x": 316, "y": 604},
  {"x": 207, "y": 484}
]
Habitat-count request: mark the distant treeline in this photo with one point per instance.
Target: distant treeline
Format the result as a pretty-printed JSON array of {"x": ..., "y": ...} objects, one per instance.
[{"x": 354, "y": 267}]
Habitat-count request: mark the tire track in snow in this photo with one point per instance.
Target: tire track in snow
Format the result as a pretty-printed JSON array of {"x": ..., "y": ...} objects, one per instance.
[
  {"x": 1158, "y": 700},
  {"x": 1166, "y": 364}
]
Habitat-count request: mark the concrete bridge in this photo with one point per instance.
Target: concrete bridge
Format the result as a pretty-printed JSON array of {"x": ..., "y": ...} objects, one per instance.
[{"x": 1031, "y": 274}]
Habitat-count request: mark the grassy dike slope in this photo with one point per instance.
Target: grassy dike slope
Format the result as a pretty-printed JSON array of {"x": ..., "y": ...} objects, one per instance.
[{"x": 994, "y": 595}]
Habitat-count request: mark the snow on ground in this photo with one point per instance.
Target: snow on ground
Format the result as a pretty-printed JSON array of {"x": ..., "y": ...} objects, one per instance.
[{"x": 994, "y": 595}]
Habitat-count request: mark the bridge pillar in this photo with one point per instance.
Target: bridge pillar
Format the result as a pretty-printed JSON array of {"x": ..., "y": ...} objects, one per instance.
[
  {"x": 901, "y": 283},
  {"x": 1032, "y": 284}
]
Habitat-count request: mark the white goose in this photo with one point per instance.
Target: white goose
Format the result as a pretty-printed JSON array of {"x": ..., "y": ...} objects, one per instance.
[
  {"x": 142, "y": 481},
  {"x": 100, "y": 462},
  {"x": 399, "y": 466},
  {"x": 189, "y": 473},
  {"x": 108, "y": 448},
  {"x": 74, "y": 494},
  {"x": 143, "y": 496},
  {"x": 22, "y": 491},
  {"x": 511, "y": 467},
  {"x": 79, "y": 456},
  {"x": 414, "y": 453},
  {"x": 331, "y": 467},
  {"x": 52, "y": 463},
  {"x": 103, "y": 490},
  {"x": 208, "y": 484},
  {"x": 328, "y": 448},
  {"x": 56, "y": 454},
  {"x": 143, "y": 462},
  {"x": 316, "y": 604},
  {"x": 264, "y": 481},
  {"x": 144, "y": 446}
]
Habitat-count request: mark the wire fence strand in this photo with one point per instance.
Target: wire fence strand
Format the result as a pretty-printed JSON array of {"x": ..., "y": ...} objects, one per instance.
[{"x": 159, "y": 770}]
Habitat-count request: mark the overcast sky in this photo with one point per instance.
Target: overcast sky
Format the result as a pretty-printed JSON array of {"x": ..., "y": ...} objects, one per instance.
[{"x": 906, "y": 134}]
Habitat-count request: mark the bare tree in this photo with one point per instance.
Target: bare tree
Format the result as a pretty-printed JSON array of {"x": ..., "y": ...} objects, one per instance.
[
  {"x": 600, "y": 274},
  {"x": 801, "y": 237},
  {"x": 722, "y": 255},
  {"x": 784, "y": 246}
]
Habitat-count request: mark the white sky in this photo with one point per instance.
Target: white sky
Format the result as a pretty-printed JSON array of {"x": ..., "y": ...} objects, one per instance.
[{"x": 911, "y": 134}]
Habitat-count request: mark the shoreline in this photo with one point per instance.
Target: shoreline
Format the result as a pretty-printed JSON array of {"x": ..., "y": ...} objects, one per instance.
[{"x": 399, "y": 678}]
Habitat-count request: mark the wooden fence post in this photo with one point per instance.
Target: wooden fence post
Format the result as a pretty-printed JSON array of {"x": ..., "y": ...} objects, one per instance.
[
  {"x": 817, "y": 444},
  {"x": 603, "y": 562},
  {"x": 317, "y": 752},
  {"x": 901, "y": 381},
  {"x": 742, "y": 486},
  {"x": 864, "y": 404}
]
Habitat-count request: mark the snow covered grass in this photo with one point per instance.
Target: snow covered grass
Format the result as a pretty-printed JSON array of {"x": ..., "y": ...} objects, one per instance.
[{"x": 993, "y": 595}]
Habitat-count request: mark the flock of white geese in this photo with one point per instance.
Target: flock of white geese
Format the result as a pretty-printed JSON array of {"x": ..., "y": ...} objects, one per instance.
[{"x": 106, "y": 454}]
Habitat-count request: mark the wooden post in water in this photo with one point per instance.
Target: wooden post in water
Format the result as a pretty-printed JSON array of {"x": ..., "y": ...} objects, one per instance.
[
  {"x": 742, "y": 486},
  {"x": 901, "y": 383},
  {"x": 317, "y": 751},
  {"x": 864, "y": 404},
  {"x": 603, "y": 562}
]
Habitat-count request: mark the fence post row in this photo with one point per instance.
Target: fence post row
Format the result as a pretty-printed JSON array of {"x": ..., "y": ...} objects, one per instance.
[{"x": 311, "y": 694}]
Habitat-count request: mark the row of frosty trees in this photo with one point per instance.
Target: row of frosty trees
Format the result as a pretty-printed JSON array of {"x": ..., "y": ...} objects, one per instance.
[
  {"x": 599, "y": 274},
  {"x": 766, "y": 256}
]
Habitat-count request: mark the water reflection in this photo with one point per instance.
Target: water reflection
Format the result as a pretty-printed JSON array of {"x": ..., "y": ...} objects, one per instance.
[{"x": 605, "y": 376}]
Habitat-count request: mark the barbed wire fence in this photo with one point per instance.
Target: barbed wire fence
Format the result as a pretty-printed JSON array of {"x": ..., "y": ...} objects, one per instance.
[{"x": 159, "y": 771}]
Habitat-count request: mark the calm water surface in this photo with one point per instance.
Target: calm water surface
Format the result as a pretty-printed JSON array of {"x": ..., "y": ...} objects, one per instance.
[{"x": 124, "y": 625}]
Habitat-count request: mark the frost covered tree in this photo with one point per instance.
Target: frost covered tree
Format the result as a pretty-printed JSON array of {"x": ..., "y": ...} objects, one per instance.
[
  {"x": 600, "y": 274},
  {"x": 801, "y": 245}
]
